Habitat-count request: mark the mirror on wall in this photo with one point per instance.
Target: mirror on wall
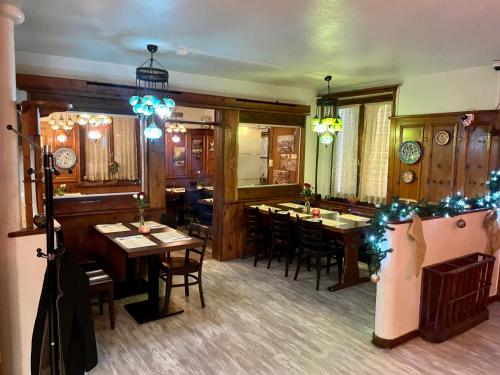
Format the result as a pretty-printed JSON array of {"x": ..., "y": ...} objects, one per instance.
[{"x": 268, "y": 155}]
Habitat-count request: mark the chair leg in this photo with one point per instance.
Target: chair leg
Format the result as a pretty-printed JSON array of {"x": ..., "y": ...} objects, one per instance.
[
  {"x": 111, "y": 308},
  {"x": 271, "y": 254},
  {"x": 328, "y": 263},
  {"x": 318, "y": 271},
  {"x": 101, "y": 304},
  {"x": 200, "y": 288},
  {"x": 287, "y": 263},
  {"x": 299, "y": 262},
  {"x": 186, "y": 286}
]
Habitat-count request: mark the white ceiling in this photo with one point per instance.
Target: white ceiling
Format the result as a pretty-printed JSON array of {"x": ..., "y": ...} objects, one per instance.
[{"x": 285, "y": 42}]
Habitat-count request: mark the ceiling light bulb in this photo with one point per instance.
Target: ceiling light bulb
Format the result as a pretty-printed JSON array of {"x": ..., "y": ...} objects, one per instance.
[
  {"x": 152, "y": 132},
  {"x": 176, "y": 139},
  {"x": 326, "y": 138}
]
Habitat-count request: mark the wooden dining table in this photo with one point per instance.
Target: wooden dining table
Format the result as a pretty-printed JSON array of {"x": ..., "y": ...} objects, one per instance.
[
  {"x": 345, "y": 227},
  {"x": 150, "y": 247}
]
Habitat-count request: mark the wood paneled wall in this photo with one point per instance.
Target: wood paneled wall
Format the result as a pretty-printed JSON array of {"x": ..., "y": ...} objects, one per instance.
[
  {"x": 460, "y": 166},
  {"x": 183, "y": 175}
]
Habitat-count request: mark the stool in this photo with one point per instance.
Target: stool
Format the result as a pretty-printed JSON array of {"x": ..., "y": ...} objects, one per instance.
[{"x": 101, "y": 286}]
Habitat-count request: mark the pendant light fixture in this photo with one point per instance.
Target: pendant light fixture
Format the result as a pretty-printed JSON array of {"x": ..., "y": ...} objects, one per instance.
[
  {"x": 329, "y": 123},
  {"x": 151, "y": 79}
]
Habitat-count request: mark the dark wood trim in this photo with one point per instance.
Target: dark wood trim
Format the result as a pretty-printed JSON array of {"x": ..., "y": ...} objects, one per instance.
[
  {"x": 269, "y": 191},
  {"x": 254, "y": 117},
  {"x": 113, "y": 98},
  {"x": 362, "y": 92},
  {"x": 368, "y": 99},
  {"x": 27, "y": 232},
  {"x": 441, "y": 114},
  {"x": 495, "y": 298},
  {"x": 391, "y": 343}
]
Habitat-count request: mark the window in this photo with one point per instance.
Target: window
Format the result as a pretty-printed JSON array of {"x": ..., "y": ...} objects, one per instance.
[
  {"x": 113, "y": 156},
  {"x": 268, "y": 154},
  {"x": 360, "y": 158}
]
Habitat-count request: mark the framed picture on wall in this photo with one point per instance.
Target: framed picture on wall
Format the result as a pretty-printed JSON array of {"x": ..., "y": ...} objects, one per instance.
[
  {"x": 286, "y": 144},
  {"x": 179, "y": 156},
  {"x": 197, "y": 148},
  {"x": 281, "y": 176}
]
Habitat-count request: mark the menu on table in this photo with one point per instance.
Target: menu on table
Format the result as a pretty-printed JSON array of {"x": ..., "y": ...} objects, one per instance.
[
  {"x": 354, "y": 217},
  {"x": 132, "y": 242},
  {"x": 292, "y": 205},
  {"x": 112, "y": 228},
  {"x": 331, "y": 223},
  {"x": 171, "y": 236},
  {"x": 150, "y": 224}
]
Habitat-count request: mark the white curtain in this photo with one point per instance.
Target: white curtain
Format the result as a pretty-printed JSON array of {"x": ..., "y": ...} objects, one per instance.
[
  {"x": 97, "y": 156},
  {"x": 375, "y": 153},
  {"x": 125, "y": 147},
  {"x": 345, "y": 154}
]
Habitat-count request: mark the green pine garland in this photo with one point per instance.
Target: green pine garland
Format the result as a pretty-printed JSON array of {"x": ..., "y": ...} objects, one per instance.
[{"x": 397, "y": 210}]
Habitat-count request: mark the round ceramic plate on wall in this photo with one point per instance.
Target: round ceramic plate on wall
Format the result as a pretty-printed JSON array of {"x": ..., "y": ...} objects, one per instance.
[
  {"x": 64, "y": 158},
  {"x": 409, "y": 152},
  {"x": 407, "y": 177},
  {"x": 442, "y": 137}
]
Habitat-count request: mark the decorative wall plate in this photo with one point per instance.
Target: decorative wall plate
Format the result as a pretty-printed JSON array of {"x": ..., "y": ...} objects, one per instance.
[
  {"x": 64, "y": 158},
  {"x": 442, "y": 137},
  {"x": 407, "y": 177},
  {"x": 409, "y": 152}
]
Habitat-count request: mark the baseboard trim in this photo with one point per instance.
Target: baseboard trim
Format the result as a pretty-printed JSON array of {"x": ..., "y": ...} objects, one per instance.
[
  {"x": 495, "y": 298},
  {"x": 391, "y": 343}
]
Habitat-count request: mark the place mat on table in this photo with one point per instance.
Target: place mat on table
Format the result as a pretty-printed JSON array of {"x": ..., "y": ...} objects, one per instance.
[
  {"x": 291, "y": 205},
  {"x": 171, "y": 236},
  {"x": 111, "y": 228},
  {"x": 132, "y": 242},
  {"x": 209, "y": 200},
  {"x": 331, "y": 223},
  {"x": 354, "y": 217},
  {"x": 264, "y": 207},
  {"x": 176, "y": 190},
  {"x": 150, "y": 224},
  {"x": 208, "y": 188}
]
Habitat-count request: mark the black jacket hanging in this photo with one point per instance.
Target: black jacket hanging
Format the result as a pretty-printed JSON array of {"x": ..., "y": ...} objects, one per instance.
[{"x": 77, "y": 346}]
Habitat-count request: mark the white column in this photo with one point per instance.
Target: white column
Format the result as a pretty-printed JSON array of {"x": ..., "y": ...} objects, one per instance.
[{"x": 10, "y": 219}]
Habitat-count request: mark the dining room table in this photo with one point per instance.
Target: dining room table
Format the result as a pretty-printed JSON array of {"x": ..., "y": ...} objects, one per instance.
[
  {"x": 347, "y": 228},
  {"x": 161, "y": 240}
]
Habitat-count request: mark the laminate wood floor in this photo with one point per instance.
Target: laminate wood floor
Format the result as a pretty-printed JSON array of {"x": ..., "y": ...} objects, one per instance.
[{"x": 259, "y": 322}]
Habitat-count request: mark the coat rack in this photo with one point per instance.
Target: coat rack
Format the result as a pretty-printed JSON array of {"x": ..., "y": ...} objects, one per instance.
[{"x": 52, "y": 253}]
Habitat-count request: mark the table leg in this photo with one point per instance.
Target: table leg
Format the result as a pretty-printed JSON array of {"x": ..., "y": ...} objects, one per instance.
[
  {"x": 350, "y": 272},
  {"x": 152, "y": 308}
]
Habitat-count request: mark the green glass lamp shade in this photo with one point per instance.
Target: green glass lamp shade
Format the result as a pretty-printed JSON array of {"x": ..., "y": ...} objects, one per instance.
[
  {"x": 320, "y": 128},
  {"x": 326, "y": 138},
  {"x": 169, "y": 102},
  {"x": 315, "y": 120},
  {"x": 327, "y": 121},
  {"x": 133, "y": 100}
]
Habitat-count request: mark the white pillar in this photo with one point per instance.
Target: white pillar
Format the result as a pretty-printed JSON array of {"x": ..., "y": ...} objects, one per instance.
[{"x": 10, "y": 219}]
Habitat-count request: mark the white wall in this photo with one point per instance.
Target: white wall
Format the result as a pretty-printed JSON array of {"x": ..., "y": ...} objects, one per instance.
[
  {"x": 67, "y": 67},
  {"x": 452, "y": 91},
  {"x": 398, "y": 291}
]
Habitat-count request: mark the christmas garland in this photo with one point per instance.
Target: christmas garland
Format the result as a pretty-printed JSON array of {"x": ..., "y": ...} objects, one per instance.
[{"x": 398, "y": 210}]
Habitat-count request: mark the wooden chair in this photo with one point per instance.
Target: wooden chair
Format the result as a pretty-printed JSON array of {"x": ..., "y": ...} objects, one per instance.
[
  {"x": 186, "y": 266},
  {"x": 191, "y": 198},
  {"x": 254, "y": 235},
  {"x": 101, "y": 286},
  {"x": 313, "y": 245},
  {"x": 281, "y": 239}
]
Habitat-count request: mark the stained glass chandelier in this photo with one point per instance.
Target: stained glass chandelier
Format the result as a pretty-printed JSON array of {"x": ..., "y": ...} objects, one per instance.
[
  {"x": 329, "y": 123},
  {"x": 151, "y": 79}
]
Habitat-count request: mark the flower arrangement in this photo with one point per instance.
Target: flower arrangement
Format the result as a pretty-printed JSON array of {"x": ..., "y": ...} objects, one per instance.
[
  {"x": 142, "y": 203},
  {"x": 60, "y": 190},
  {"x": 307, "y": 191},
  {"x": 141, "y": 200}
]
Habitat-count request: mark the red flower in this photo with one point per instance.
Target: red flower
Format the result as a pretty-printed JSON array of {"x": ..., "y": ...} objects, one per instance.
[{"x": 307, "y": 185}]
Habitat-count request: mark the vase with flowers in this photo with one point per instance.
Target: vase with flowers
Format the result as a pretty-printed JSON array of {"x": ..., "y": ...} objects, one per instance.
[
  {"x": 142, "y": 203},
  {"x": 307, "y": 193}
]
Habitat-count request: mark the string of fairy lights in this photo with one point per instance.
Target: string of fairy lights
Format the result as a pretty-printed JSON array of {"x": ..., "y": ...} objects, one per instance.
[{"x": 398, "y": 210}]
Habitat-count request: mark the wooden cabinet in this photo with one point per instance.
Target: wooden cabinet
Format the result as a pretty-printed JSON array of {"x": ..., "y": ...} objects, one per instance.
[
  {"x": 461, "y": 165},
  {"x": 194, "y": 152}
]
